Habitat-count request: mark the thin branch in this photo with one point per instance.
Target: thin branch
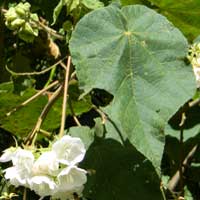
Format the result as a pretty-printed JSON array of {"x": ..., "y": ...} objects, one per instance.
[
  {"x": 183, "y": 119},
  {"x": 53, "y": 98},
  {"x": 63, "y": 65},
  {"x": 3, "y": 10},
  {"x": 162, "y": 192},
  {"x": 103, "y": 116},
  {"x": 34, "y": 73},
  {"x": 45, "y": 133},
  {"x": 50, "y": 30},
  {"x": 32, "y": 98},
  {"x": 65, "y": 95},
  {"x": 194, "y": 103},
  {"x": 25, "y": 194},
  {"x": 176, "y": 178}
]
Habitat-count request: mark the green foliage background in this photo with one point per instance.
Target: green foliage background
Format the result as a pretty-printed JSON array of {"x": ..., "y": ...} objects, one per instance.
[{"x": 131, "y": 84}]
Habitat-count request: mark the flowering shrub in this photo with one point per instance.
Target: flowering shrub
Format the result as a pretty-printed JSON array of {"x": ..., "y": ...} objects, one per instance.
[
  {"x": 115, "y": 74},
  {"x": 51, "y": 172}
]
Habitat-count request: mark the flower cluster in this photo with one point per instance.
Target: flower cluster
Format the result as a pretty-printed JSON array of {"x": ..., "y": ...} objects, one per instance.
[
  {"x": 49, "y": 172},
  {"x": 194, "y": 58},
  {"x": 20, "y": 19}
]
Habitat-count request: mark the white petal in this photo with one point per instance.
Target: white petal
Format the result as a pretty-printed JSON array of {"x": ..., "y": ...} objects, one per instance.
[
  {"x": 12, "y": 174},
  {"x": 70, "y": 178},
  {"x": 23, "y": 161},
  {"x": 46, "y": 164},
  {"x": 42, "y": 185},
  {"x": 68, "y": 195},
  {"x": 8, "y": 154},
  {"x": 69, "y": 150}
]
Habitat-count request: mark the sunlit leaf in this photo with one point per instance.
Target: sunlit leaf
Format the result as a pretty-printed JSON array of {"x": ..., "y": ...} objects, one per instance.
[{"x": 136, "y": 55}]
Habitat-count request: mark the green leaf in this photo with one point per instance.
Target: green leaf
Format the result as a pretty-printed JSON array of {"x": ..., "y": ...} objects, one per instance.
[
  {"x": 191, "y": 124},
  {"x": 184, "y": 14},
  {"x": 78, "y": 105},
  {"x": 57, "y": 10},
  {"x": 119, "y": 172},
  {"x": 136, "y": 55},
  {"x": 92, "y": 4},
  {"x": 131, "y": 2},
  {"x": 187, "y": 194},
  {"x": 85, "y": 133},
  {"x": 22, "y": 121}
]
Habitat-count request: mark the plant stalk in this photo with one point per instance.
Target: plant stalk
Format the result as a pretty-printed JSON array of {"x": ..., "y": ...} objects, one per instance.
[
  {"x": 65, "y": 96},
  {"x": 43, "y": 115}
]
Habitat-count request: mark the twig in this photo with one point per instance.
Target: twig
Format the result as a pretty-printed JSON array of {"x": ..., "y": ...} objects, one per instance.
[
  {"x": 175, "y": 179},
  {"x": 183, "y": 118},
  {"x": 50, "y": 30},
  {"x": 3, "y": 10},
  {"x": 63, "y": 65},
  {"x": 65, "y": 95},
  {"x": 73, "y": 113},
  {"x": 53, "y": 98},
  {"x": 25, "y": 194},
  {"x": 162, "y": 192},
  {"x": 33, "y": 97},
  {"x": 45, "y": 133},
  {"x": 103, "y": 116},
  {"x": 34, "y": 73},
  {"x": 194, "y": 103}
]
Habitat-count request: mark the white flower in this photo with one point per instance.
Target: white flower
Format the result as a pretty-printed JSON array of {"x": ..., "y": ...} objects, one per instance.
[
  {"x": 42, "y": 185},
  {"x": 68, "y": 195},
  {"x": 69, "y": 150},
  {"x": 8, "y": 154},
  {"x": 54, "y": 173},
  {"x": 46, "y": 164},
  {"x": 71, "y": 178},
  {"x": 23, "y": 161},
  {"x": 22, "y": 166},
  {"x": 13, "y": 175}
]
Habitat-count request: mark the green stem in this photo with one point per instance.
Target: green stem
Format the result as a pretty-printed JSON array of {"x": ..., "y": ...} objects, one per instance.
[{"x": 52, "y": 73}]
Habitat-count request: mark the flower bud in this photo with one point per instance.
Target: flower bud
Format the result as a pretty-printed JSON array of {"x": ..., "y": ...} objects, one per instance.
[{"x": 17, "y": 23}]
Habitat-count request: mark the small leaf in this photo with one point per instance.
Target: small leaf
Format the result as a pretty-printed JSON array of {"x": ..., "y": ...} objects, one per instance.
[
  {"x": 57, "y": 10},
  {"x": 72, "y": 5},
  {"x": 92, "y": 4},
  {"x": 26, "y": 36}
]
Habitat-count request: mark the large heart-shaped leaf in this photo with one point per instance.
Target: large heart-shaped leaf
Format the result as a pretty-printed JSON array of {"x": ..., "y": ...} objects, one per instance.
[
  {"x": 137, "y": 55},
  {"x": 184, "y": 14}
]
